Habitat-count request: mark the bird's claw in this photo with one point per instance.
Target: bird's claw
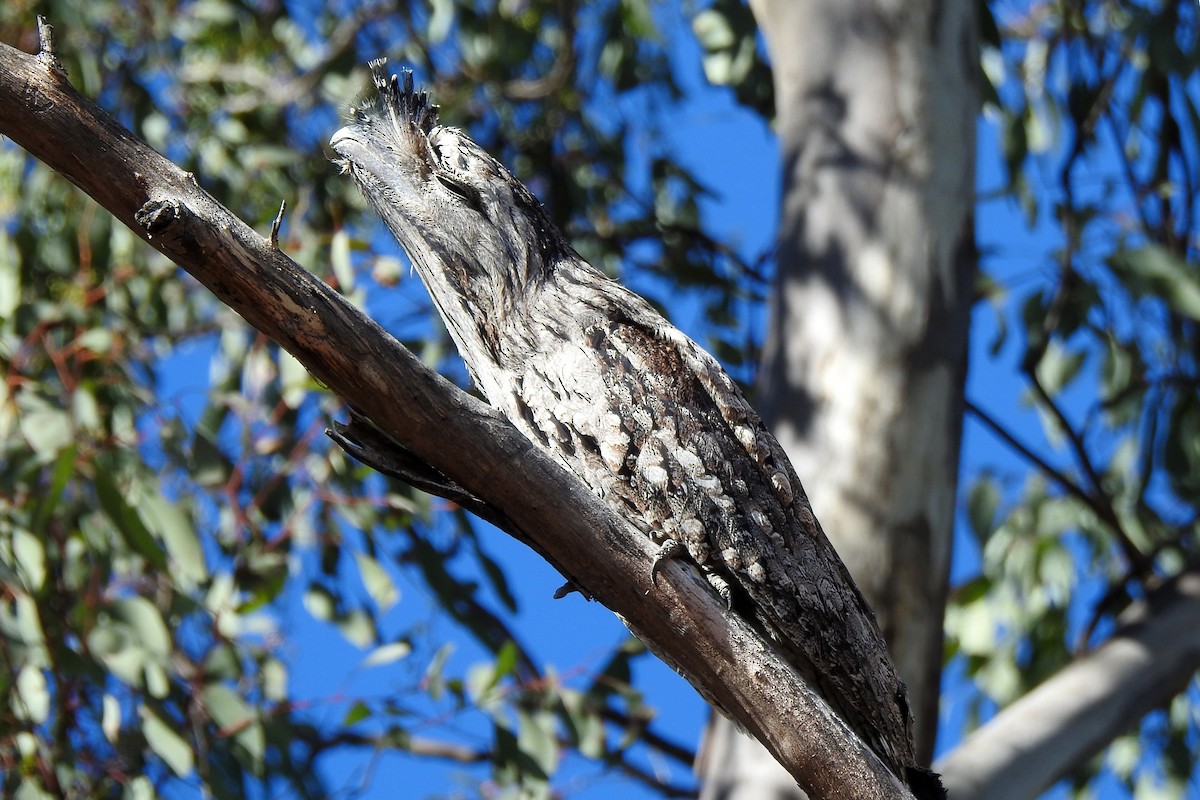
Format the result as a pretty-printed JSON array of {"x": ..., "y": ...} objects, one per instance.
[{"x": 668, "y": 550}]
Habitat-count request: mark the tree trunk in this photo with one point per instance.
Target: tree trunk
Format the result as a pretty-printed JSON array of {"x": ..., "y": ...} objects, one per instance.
[{"x": 866, "y": 349}]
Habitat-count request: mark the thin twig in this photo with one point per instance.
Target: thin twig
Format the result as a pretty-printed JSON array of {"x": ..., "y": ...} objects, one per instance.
[
  {"x": 276, "y": 224},
  {"x": 654, "y": 782},
  {"x": 1069, "y": 486},
  {"x": 1104, "y": 512},
  {"x": 46, "y": 52},
  {"x": 1099, "y": 499},
  {"x": 683, "y": 755}
]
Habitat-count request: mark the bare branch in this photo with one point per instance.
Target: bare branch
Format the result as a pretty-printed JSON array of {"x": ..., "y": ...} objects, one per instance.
[
  {"x": 1058, "y": 476},
  {"x": 674, "y": 750},
  {"x": 1055, "y": 728},
  {"x": 1098, "y": 498},
  {"x": 463, "y": 754},
  {"x": 391, "y": 740}
]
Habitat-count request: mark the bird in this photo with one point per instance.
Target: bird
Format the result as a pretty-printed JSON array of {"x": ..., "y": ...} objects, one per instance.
[{"x": 592, "y": 374}]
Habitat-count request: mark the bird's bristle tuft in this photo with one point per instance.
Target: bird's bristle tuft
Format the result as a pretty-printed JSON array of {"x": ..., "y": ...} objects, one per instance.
[{"x": 400, "y": 97}]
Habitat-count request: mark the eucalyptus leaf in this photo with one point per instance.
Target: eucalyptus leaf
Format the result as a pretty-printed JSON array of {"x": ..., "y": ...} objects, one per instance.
[
  {"x": 110, "y": 722},
  {"x": 357, "y": 713},
  {"x": 377, "y": 582},
  {"x": 31, "y": 789},
  {"x": 33, "y": 695},
  {"x": 29, "y": 558},
  {"x": 47, "y": 502},
  {"x": 1059, "y": 367},
  {"x": 386, "y": 654},
  {"x": 172, "y": 748},
  {"x": 228, "y": 709},
  {"x": 358, "y": 628},
  {"x": 145, "y": 622},
  {"x": 275, "y": 680},
  {"x": 1156, "y": 271},
  {"x": 983, "y": 502},
  {"x": 319, "y": 602},
  {"x": 48, "y": 430},
  {"x": 125, "y": 519},
  {"x": 586, "y": 726},
  {"x": 178, "y": 535},
  {"x": 537, "y": 738}
]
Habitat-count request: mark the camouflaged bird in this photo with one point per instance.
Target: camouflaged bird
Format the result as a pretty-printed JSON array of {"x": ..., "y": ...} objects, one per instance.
[{"x": 593, "y": 375}]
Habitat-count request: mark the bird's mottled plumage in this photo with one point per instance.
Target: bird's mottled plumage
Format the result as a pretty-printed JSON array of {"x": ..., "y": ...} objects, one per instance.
[{"x": 649, "y": 420}]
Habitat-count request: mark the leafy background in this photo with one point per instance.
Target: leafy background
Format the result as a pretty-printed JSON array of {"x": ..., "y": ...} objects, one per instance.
[{"x": 199, "y": 594}]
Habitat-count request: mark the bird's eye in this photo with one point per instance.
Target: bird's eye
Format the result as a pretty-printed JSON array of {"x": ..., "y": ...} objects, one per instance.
[{"x": 469, "y": 194}]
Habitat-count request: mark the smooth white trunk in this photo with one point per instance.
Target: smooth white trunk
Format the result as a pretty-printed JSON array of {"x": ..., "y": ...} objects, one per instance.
[{"x": 865, "y": 360}]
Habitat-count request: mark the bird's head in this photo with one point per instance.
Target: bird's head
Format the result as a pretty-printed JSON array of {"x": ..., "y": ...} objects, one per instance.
[{"x": 479, "y": 239}]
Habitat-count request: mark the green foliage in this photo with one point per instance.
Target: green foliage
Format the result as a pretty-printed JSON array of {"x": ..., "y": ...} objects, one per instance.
[
  {"x": 733, "y": 57},
  {"x": 1093, "y": 99}
]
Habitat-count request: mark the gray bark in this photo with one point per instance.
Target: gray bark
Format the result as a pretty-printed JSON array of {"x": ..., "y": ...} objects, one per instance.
[{"x": 866, "y": 348}]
